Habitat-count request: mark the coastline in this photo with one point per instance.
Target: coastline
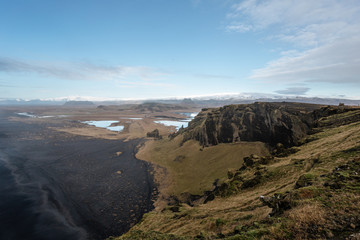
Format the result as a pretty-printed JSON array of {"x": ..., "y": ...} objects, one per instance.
[{"x": 74, "y": 183}]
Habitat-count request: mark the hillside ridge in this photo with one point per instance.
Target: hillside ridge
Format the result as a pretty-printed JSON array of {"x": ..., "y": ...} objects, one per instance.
[{"x": 307, "y": 191}]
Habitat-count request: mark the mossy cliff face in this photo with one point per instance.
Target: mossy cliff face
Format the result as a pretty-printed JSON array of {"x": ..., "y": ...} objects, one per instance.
[{"x": 271, "y": 123}]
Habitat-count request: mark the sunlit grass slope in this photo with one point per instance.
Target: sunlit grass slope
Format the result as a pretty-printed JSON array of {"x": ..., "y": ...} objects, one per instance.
[
  {"x": 317, "y": 191},
  {"x": 194, "y": 169}
]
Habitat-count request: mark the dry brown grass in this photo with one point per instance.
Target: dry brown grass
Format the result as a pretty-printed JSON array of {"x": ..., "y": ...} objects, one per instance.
[
  {"x": 245, "y": 208},
  {"x": 133, "y": 128},
  {"x": 305, "y": 218},
  {"x": 330, "y": 141},
  {"x": 194, "y": 169}
]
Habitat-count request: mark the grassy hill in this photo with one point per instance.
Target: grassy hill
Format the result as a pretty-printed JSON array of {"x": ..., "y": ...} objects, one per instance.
[
  {"x": 194, "y": 169},
  {"x": 309, "y": 191}
]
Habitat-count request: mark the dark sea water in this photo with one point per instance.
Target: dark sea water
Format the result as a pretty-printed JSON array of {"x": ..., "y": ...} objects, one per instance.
[{"x": 55, "y": 186}]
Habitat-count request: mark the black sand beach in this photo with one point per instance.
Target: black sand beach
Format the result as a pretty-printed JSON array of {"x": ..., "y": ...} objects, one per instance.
[{"x": 60, "y": 186}]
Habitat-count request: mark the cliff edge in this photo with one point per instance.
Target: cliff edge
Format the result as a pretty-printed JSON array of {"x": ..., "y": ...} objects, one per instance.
[{"x": 271, "y": 123}]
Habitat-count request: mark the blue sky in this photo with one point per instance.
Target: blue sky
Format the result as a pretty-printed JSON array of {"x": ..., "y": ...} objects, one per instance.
[{"x": 136, "y": 49}]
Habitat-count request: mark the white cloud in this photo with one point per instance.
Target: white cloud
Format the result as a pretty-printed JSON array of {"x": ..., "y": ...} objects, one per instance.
[
  {"x": 304, "y": 22},
  {"x": 324, "y": 33},
  {"x": 338, "y": 62},
  {"x": 144, "y": 84},
  {"x": 213, "y": 76},
  {"x": 80, "y": 71},
  {"x": 100, "y": 72},
  {"x": 317, "y": 34},
  {"x": 238, "y": 27},
  {"x": 294, "y": 91}
]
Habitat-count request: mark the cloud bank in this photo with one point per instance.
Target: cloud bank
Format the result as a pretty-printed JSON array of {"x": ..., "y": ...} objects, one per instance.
[
  {"x": 326, "y": 34},
  {"x": 81, "y": 71},
  {"x": 335, "y": 63},
  {"x": 294, "y": 91}
]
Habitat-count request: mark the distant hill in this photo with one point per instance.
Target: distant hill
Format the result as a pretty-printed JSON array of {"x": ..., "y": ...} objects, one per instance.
[
  {"x": 187, "y": 101},
  {"x": 79, "y": 103},
  {"x": 33, "y": 102},
  {"x": 324, "y": 101},
  {"x": 158, "y": 107}
]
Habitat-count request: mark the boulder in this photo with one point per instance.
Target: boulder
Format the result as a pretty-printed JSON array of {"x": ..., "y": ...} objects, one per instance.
[
  {"x": 278, "y": 202},
  {"x": 305, "y": 180},
  {"x": 154, "y": 134}
]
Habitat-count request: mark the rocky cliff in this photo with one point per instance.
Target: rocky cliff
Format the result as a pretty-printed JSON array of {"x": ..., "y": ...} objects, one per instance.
[{"x": 272, "y": 123}]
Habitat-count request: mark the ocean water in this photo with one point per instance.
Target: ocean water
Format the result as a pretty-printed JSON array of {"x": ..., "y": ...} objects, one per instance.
[
  {"x": 30, "y": 115},
  {"x": 31, "y": 207},
  {"x": 53, "y": 187},
  {"x": 25, "y": 114},
  {"x": 26, "y": 210}
]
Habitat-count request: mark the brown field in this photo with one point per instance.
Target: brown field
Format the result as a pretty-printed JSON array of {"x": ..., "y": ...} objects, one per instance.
[{"x": 69, "y": 118}]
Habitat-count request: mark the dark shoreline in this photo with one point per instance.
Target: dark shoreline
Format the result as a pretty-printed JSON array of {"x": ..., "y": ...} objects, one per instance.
[{"x": 69, "y": 187}]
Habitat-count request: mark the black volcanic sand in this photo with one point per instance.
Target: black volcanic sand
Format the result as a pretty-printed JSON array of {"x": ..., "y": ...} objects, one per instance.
[{"x": 59, "y": 186}]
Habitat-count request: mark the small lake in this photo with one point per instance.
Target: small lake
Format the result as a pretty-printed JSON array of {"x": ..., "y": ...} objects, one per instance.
[
  {"x": 181, "y": 123},
  {"x": 105, "y": 124},
  {"x": 176, "y": 124}
]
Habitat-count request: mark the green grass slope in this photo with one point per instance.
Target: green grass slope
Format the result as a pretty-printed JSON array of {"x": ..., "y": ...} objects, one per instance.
[{"x": 311, "y": 192}]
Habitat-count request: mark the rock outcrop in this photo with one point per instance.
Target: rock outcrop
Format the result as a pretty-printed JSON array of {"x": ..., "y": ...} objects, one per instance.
[
  {"x": 278, "y": 203},
  {"x": 154, "y": 134},
  {"x": 272, "y": 123}
]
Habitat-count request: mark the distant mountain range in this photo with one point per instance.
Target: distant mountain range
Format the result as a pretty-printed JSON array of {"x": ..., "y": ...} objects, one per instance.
[{"x": 208, "y": 101}]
